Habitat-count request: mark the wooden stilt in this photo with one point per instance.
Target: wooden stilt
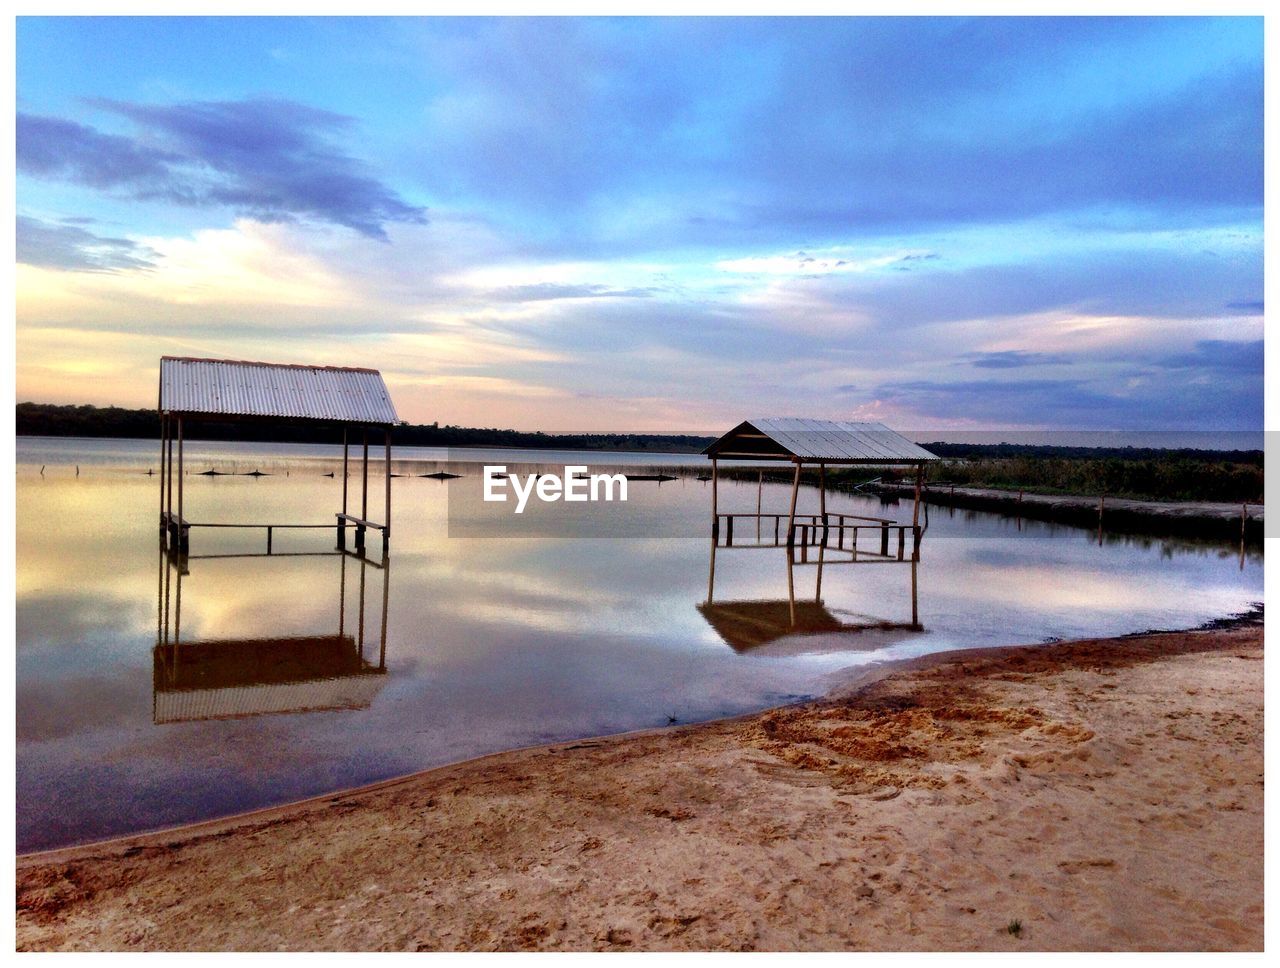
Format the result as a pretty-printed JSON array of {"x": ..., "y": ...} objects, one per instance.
[
  {"x": 715, "y": 495},
  {"x": 364, "y": 477},
  {"x": 817, "y": 591},
  {"x": 759, "y": 502},
  {"x": 342, "y": 524},
  {"x": 169, "y": 490},
  {"x": 386, "y": 521},
  {"x": 360, "y": 641},
  {"x": 915, "y": 509},
  {"x": 711, "y": 576},
  {"x": 182, "y": 520},
  {"x": 345, "y": 449},
  {"x": 915, "y": 601},
  {"x": 822, "y": 499},
  {"x": 791, "y": 515},
  {"x": 160, "y": 598},
  {"x": 791, "y": 585},
  {"x": 342, "y": 595},
  {"x": 168, "y": 585},
  {"x": 364, "y": 492},
  {"x": 177, "y": 613},
  {"x": 386, "y": 586},
  {"x": 164, "y": 423}
]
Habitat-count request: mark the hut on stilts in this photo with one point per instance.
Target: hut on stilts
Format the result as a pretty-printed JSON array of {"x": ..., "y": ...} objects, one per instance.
[
  {"x": 833, "y": 536},
  {"x": 346, "y": 398}
]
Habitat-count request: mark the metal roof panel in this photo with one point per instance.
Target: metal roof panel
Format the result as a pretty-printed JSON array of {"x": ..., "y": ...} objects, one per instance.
[
  {"x": 236, "y": 388},
  {"x": 829, "y": 440}
]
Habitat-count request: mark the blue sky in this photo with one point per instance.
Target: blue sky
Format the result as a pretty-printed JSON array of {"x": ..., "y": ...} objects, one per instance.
[{"x": 656, "y": 224}]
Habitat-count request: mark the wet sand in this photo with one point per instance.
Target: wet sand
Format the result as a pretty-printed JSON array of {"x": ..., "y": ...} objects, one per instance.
[{"x": 1103, "y": 794}]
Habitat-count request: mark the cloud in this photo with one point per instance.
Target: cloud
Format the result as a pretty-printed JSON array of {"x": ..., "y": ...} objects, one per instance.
[
  {"x": 55, "y": 148},
  {"x": 798, "y": 133},
  {"x": 270, "y": 159},
  {"x": 1123, "y": 401},
  {"x": 1011, "y": 359},
  {"x": 1239, "y": 357},
  {"x": 544, "y": 291},
  {"x": 55, "y": 245},
  {"x": 821, "y": 263}
]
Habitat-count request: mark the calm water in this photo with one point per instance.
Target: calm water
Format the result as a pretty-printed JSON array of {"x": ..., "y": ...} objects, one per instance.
[{"x": 146, "y": 697}]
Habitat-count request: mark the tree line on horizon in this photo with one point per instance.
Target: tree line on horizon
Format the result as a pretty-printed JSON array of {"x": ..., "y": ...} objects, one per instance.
[
  {"x": 1187, "y": 474},
  {"x": 86, "y": 420}
]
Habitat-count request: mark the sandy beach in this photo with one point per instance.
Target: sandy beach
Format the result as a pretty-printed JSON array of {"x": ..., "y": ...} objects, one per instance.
[{"x": 1102, "y": 794}]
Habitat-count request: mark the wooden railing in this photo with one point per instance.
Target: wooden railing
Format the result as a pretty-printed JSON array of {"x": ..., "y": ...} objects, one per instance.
[
  {"x": 178, "y": 531},
  {"x": 833, "y": 531}
]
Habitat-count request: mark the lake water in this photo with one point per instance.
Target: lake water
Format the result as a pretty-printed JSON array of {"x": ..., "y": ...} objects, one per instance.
[{"x": 148, "y": 697}]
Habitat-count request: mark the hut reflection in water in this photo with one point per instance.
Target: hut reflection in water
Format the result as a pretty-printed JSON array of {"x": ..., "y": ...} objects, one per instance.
[{"x": 230, "y": 678}]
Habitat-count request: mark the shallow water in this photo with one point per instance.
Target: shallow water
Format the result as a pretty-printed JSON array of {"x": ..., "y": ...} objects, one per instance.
[{"x": 495, "y": 636}]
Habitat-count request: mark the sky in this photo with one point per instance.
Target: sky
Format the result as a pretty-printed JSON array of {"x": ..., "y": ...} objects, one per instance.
[{"x": 655, "y": 224}]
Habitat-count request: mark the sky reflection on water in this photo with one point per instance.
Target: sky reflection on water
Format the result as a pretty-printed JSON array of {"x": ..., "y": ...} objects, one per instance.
[{"x": 492, "y": 642}]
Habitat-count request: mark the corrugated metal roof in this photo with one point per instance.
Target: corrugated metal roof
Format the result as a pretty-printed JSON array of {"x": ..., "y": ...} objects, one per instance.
[
  {"x": 833, "y": 441},
  {"x": 237, "y": 388}
]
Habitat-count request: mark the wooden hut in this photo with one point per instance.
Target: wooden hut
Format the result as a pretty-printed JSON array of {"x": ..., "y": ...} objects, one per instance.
[
  {"x": 802, "y": 442},
  {"x": 816, "y": 443},
  {"x": 349, "y": 398}
]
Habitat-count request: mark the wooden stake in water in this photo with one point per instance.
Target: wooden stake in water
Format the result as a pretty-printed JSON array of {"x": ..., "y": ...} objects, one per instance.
[{"x": 759, "y": 501}]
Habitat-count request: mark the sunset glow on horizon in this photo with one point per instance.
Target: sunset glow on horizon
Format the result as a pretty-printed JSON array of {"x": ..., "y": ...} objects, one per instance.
[{"x": 655, "y": 224}]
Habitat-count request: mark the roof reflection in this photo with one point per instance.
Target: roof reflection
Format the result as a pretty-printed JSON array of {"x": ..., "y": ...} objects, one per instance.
[{"x": 229, "y": 678}]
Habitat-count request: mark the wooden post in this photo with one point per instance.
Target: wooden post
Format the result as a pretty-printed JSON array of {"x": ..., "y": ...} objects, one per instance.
[
  {"x": 342, "y": 595},
  {"x": 342, "y": 524},
  {"x": 169, "y": 499},
  {"x": 759, "y": 502},
  {"x": 360, "y": 641},
  {"x": 386, "y": 521},
  {"x": 177, "y": 612},
  {"x": 817, "y": 590},
  {"x": 364, "y": 487},
  {"x": 791, "y": 577},
  {"x": 822, "y": 499},
  {"x": 168, "y": 585},
  {"x": 915, "y": 510},
  {"x": 791, "y": 520},
  {"x": 915, "y": 606},
  {"x": 160, "y": 597},
  {"x": 268, "y": 539},
  {"x": 711, "y": 576},
  {"x": 182, "y": 521},
  {"x": 715, "y": 503},
  {"x": 164, "y": 421},
  {"x": 386, "y": 585}
]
